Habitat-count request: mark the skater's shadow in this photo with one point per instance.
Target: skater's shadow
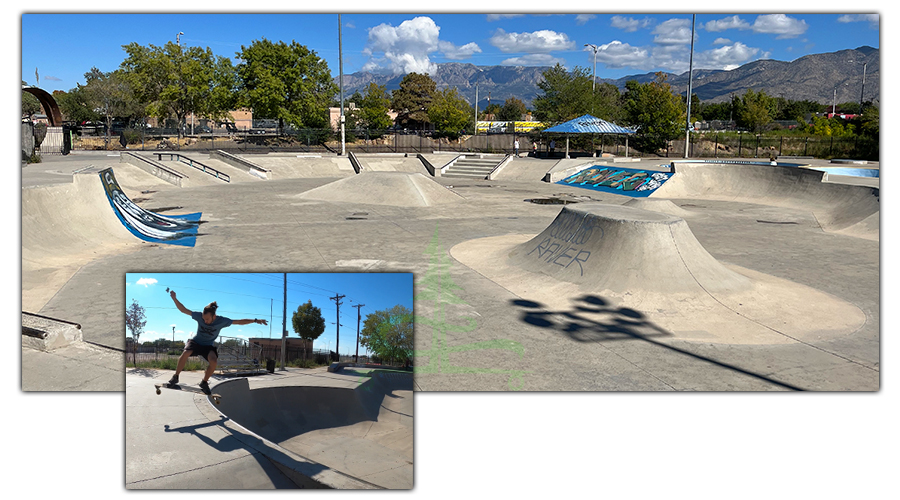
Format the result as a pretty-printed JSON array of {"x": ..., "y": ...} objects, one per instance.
[
  {"x": 594, "y": 319},
  {"x": 236, "y": 438}
]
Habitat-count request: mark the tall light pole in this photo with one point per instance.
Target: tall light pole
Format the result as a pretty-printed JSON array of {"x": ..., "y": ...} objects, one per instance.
[
  {"x": 594, "y": 77},
  {"x": 178, "y": 38},
  {"x": 341, "y": 82},
  {"x": 863, "y": 88},
  {"x": 687, "y": 132}
]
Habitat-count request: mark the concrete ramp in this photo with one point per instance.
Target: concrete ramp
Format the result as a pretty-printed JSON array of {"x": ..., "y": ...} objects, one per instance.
[
  {"x": 625, "y": 249},
  {"x": 365, "y": 432},
  {"x": 303, "y": 166},
  {"x": 654, "y": 205},
  {"x": 400, "y": 189},
  {"x": 651, "y": 273},
  {"x": 835, "y": 206}
]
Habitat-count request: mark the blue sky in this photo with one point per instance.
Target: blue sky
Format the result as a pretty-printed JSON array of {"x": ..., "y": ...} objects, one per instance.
[
  {"x": 260, "y": 295},
  {"x": 627, "y": 43}
]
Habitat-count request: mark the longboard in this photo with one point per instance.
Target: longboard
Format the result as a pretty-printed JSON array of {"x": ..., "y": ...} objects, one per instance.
[{"x": 186, "y": 388}]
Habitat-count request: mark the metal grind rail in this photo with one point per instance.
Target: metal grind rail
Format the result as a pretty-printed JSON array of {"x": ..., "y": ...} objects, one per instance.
[{"x": 196, "y": 164}]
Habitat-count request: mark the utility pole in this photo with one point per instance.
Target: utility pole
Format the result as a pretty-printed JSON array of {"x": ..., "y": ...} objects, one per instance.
[
  {"x": 687, "y": 132},
  {"x": 337, "y": 342},
  {"x": 284, "y": 323},
  {"x": 594, "y": 78},
  {"x": 358, "y": 319}
]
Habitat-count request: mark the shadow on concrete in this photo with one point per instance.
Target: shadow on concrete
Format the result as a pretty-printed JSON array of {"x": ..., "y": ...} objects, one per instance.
[
  {"x": 608, "y": 323},
  {"x": 235, "y": 440}
]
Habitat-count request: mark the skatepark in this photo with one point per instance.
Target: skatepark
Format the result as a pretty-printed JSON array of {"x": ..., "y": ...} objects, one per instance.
[
  {"x": 731, "y": 276},
  {"x": 351, "y": 429}
]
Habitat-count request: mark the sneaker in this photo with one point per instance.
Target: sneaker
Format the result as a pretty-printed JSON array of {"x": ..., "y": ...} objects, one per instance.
[
  {"x": 173, "y": 380},
  {"x": 204, "y": 386}
]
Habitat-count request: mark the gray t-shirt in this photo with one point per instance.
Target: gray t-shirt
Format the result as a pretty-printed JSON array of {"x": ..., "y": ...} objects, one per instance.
[{"x": 206, "y": 334}]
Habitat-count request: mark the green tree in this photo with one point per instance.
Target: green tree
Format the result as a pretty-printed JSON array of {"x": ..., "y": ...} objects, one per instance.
[
  {"x": 135, "y": 320},
  {"x": 389, "y": 333},
  {"x": 492, "y": 109},
  {"x": 287, "y": 82},
  {"x": 512, "y": 110},
  {"x": 755, "y": 110},
  {"x": 373, "y": 106},
  {"x": 308, "y": 322},
  {"x": 74, "y": 105},
  {"x": 657, "y": 113},
  {"x": 569, "y": 94},
  {"x": 412, "y": 100},
  {"x": 178, "y": 80},
  {"x": 109, "y": 95},
  {"x": 449, "y": 113},
  {"x": 30, "y": 103}
]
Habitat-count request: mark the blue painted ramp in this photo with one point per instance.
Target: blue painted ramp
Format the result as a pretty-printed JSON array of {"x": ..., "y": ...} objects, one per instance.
[
  {"x": 625, "y": 181},
  {"x": 149, "y": 226}
]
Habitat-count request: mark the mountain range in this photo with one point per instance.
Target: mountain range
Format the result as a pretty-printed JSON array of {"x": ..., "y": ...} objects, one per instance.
[{"x": 821, "y": 78}]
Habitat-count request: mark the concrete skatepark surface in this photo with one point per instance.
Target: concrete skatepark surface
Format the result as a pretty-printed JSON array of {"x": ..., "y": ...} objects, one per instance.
[
  {"x": 476, "y": 331},
  {"x": 297, "y": 428}
]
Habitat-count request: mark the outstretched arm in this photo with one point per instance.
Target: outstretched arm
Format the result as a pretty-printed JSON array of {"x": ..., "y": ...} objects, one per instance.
[
  {"x": 179, "y": 305},
  {"x": 249, "y": 322}
]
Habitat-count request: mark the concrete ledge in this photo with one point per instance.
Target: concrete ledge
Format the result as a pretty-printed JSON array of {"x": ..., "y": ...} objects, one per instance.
[
  {"x": 46, "y": 334},
  {"x": 151, "y": 167},
  {"x": 241, "y": 163}
]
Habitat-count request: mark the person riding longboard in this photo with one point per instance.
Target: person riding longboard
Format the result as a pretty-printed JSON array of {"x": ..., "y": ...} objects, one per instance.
[{"x": 203, "y": 342}]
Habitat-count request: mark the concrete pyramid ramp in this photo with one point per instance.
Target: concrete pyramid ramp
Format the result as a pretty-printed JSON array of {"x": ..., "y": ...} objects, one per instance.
[
  {"x": 652, "y": 272},
  {"x": 400, "y": 189},
  {"x": 624, "y": 249}
]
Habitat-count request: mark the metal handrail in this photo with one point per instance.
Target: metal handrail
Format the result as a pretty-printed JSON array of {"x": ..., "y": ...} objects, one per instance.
[{"x": 196, "y": 164}]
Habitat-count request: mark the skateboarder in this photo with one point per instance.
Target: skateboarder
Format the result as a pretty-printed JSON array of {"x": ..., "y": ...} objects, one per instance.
[{"x": 203, "y": 342}]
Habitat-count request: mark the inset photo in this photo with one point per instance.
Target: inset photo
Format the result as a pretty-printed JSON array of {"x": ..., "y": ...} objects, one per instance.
[{"x": 268, "y": 381}]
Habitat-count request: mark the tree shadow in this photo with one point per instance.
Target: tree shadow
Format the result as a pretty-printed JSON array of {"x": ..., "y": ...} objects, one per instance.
[{"x": 593, "y": 319}]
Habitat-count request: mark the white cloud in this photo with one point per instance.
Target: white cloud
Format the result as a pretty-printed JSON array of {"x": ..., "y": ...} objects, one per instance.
[
  {"x": 455, "y": 52},
  {"x": 618, "y": 55},
  {"x": 721, "y": 41},
  {"x": 581, "y": 19},
  {"x": 728, "y": 57},
  {"x": 497, "y": 17},
  {"x": 872, "y": 19},
  {"x": 630, "y": 24},
  {"x": 533, "y": 60},
  {"x": 673, "y": 32},
  {"x": 542, "y": 41},
  {"x": 146, "y": 282},
  {"x": 406, "y": 48},
  {"x": 728, "y": 23},
  {"x": 781, "y": 25}
]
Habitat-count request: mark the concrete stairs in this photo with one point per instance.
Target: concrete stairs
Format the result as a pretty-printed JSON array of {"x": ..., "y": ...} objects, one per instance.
[{"x": 472, "y": 167}]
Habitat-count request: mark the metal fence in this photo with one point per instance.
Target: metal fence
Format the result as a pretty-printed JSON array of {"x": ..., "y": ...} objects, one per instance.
[{"x": 327, "y": 141}]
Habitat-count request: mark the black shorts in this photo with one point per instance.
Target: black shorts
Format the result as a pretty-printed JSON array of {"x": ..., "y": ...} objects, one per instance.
[{"x": 200, "y": 350}]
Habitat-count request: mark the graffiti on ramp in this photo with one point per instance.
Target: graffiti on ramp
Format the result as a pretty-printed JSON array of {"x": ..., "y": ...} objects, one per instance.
[
  {"x": 149, "y": 226},
  {"x": 625, "y": 181}
]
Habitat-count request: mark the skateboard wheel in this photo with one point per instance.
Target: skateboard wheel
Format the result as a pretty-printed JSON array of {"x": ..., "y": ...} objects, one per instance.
[{"x": 157, "y": 392}]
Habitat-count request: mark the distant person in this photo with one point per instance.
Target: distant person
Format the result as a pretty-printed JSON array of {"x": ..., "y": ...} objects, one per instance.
[
  {"x": 534, "y": 148},
  {"x": 203, "y": 342},
  {"x": 516, "y": 147},
  {"x": 552, "y": 146}
]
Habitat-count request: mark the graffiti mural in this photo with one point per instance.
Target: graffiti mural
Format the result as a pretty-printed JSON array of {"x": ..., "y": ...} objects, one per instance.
[
  {"x": 149, "y": 226},
  {"x": 567, "y": 240},
  {"x": 624, "y": 181}
]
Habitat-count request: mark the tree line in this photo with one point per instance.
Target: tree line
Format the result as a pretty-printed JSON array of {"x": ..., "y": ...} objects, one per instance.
[{"x": 290, "y": 83}]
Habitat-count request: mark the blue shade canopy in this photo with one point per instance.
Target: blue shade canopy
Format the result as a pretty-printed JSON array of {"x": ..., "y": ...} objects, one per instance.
[{"x": 588, "y": 124}]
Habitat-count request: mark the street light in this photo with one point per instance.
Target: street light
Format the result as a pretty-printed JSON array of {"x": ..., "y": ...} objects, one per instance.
[
  {"x": 594, "y": 77},
  {"x": 178, "y": 38}
]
